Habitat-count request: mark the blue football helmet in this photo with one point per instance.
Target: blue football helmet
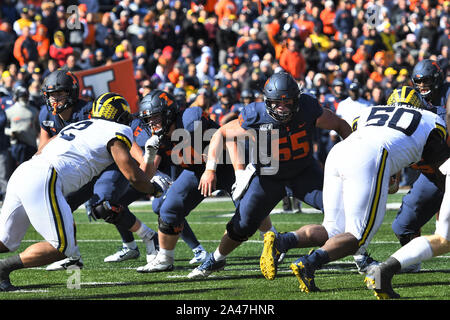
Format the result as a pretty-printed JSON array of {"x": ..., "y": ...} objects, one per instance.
[
  {"x": 158, "y": 110},
  {"x": 426, "y": 77},
  {"x": 281, "y": 90}
]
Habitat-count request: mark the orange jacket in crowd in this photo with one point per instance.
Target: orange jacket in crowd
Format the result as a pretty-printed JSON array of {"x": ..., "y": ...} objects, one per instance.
[
  {"x": 327, "y": 16},
  {"x": 43, "y": 44},
  {"x": 225, "y": 8},
  {"x": 293, "y": 62}
]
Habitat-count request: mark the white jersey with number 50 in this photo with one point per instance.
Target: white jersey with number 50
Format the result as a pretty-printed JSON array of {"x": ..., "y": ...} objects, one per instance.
[
  {"x": 79, "y": 152},
  {"x": 403, "y": 131}
]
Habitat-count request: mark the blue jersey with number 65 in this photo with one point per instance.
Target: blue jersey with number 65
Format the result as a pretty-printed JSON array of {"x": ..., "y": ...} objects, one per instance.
[{"x": 295, "y": 152}]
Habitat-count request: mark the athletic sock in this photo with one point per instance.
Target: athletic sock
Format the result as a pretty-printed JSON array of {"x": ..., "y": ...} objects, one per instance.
[
  {"x": 286, "y": 241},
  {"x": 168, "y": 253},
  {"x": 318, "y": 258},
  {"x": 218, "y": 256},
  {"x": 130, "y": 245},
  {"x": 417, "y": 250},
  {"x": 143, "y": 231}
]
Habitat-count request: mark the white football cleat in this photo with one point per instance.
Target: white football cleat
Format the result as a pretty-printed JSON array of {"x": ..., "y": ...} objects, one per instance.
[
  {"x": 160, "y": 263},
  {"x": 123, "y": 254},
  {"x": 74, "y": 262}
]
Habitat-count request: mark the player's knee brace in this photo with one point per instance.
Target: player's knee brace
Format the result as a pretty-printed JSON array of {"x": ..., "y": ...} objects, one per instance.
[
  {"x": 168, "y": 228},
  {"x": 405, "y": 238},
  {"x": 109, "y": 212},
  {"x": 231, "y": 232}
]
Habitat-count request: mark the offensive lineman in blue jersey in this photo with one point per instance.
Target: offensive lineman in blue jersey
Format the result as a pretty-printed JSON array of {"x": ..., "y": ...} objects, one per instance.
[
  {"x": 153, "y": 104},
  {"x": 61, "y": 91},
  {"x": 423, "y": 201},
  {"x": 183, "y": 196},
  {"x": 295, "y": 115}
]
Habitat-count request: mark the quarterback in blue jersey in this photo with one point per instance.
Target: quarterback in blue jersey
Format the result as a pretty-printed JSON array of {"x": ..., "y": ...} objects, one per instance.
[
  {"x": 295, "y": 116},
  {"x": 423, "y": 201},
  {"x": 63, "y": 107}
]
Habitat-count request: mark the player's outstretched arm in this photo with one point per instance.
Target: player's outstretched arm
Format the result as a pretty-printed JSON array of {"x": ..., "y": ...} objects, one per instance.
[
  {"x": 229, "y": 132},
  {"x": 329, "y": 120},
  {"x": 129, "y": 167}
]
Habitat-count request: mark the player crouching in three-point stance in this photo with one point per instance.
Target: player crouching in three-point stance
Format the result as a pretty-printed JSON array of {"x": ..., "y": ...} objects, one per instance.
[
  {"x": 295, "y": 115},
  {"x": 70, "y": 160},
  {"x": 357, "y": 176}
]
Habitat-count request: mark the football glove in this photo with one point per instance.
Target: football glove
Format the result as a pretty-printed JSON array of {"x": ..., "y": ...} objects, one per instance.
[
  {"x": 151, "y": 148},
  {"x": 161, "y": 182},
  {"x": 243, "y": 178}
]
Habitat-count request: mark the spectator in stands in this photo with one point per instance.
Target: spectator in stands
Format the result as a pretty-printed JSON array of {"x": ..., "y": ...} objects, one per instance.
[
  {"x": 25, "y": 48},
  {"x": 59, "y": 50}
]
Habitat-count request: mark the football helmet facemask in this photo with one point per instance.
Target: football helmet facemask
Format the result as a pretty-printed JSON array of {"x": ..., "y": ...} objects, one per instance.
[
  {"x": 60, "y": 90},
  {"x": 426, "y": 77},
  {"x": 112, "y": 107},
  {"x": 281, "y": 96}
]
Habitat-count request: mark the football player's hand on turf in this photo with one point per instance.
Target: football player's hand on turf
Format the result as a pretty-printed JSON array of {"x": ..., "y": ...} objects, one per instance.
[{"x": 207, "y": 183}]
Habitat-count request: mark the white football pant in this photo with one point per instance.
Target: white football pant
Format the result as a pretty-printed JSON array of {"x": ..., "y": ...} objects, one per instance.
[
  {"x": 355, "y": 190},
  {"x": 34, "y": 197}
]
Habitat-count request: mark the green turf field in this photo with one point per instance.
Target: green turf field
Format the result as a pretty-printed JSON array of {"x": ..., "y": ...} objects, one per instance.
[{"x": 241, "y": 279}]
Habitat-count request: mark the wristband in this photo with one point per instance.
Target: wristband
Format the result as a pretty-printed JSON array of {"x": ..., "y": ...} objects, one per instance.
[{"x": 211, "y": 165}]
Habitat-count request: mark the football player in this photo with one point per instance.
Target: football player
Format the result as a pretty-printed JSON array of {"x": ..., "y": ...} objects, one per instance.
[
  {"x": 422, "y": 202},
  {"x": 64, "y": 165},
  {"x": 420, "y": 248},
  {"x": 357, "y": 177},
  {"x": 61, "y": 90},
  {"x": 163, "y": 105},
  {"x": 294, "y": 116},
  {"x": 183, "y": 195}
]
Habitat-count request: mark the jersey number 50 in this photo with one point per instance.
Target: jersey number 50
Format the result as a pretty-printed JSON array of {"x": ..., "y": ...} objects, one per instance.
[{"x": 401, "y": 119}]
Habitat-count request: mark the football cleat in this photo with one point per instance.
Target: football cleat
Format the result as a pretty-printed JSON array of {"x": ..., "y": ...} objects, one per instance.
[
  {"x": 364, "y": 262},
  {"x": 124, "y": 253},
  {"x": 207, "y": 267},
  {"x": 379, "y": 280},
  {"x": 160, "y": 263},
  {"x": 200, "y": 256},
  {"x": 305, "y": 275},
  {"x": 65, "y": 264},
  {"x": 268, "y": 262},
  {"x": 5, "y": 285},
  {"x": 151, "y": 245}
]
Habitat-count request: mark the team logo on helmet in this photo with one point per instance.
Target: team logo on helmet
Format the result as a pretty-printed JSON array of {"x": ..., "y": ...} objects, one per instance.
[
  {"x": 407, "y": 96},
  {"x": 113, "y": 107}
]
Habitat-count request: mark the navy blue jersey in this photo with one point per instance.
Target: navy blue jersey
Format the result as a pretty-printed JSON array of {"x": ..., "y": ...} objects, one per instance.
[
  {"x": 53, "y": 124},
  {"x": 295, "y": 137},
  {"x": 194, "y": 122}
]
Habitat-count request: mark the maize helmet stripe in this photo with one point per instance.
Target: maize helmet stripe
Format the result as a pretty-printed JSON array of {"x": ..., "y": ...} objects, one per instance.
[
  {"x": 95, "y": 105},
  {"x": 406, "y": 96}
]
